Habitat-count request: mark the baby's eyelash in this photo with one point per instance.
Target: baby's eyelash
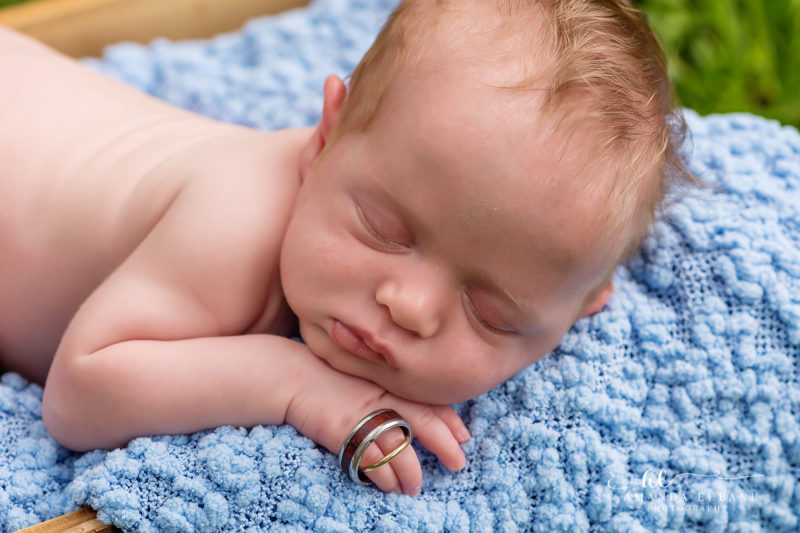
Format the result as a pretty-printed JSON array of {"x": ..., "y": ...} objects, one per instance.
[
  {"x": 478, "y": 318},
  {"x": 375, "y": 233}
]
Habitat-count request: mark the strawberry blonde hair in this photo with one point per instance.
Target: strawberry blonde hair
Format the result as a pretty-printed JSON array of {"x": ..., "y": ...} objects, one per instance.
[{"x": 604, "y": 66}]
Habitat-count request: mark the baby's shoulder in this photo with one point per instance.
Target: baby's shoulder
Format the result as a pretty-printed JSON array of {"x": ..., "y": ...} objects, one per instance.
[
  {"x": 242, "y": 186},
  {"x": 225, "y": 227}
]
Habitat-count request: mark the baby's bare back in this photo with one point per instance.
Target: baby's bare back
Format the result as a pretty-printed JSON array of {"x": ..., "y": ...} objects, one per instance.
[{"x": 87, "y": 168}]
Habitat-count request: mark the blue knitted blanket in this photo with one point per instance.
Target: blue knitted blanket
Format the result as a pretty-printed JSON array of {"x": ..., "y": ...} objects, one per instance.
[{"x": 675, "y": 408}]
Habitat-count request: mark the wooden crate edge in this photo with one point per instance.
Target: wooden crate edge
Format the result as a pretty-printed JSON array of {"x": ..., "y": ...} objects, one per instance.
[{"x": 82, "y": 28}]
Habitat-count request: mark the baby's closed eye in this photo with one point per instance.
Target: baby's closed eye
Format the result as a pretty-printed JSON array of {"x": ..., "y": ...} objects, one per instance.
[
  {"x": 384, "y": 231},
  {"x": 486, "y": 315}
]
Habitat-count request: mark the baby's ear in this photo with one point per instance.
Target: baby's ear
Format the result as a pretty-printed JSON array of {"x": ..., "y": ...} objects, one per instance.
[
  {"x": 598, "y": 301},
  {"x": 334, "y": 92}
]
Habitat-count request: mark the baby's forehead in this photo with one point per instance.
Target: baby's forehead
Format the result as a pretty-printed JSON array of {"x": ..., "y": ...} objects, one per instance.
[
  {"x": 482, "y": 37},
  {"x": 497, "y": 131}
]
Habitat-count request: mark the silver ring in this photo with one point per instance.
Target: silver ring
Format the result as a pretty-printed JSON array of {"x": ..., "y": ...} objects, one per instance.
[{"x": 363, "y": 435}]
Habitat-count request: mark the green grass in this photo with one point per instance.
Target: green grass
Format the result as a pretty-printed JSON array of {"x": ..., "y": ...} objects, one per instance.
[
  {"x": 732, "y": 55},
  {"x": 4, "y": 3}
]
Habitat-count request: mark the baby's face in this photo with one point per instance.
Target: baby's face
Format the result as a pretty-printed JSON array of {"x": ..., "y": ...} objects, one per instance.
[{"x": 439, "y": 253}]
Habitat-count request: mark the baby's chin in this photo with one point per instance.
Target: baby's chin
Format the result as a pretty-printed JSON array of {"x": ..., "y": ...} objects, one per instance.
[
  {"x": 427, "y": 392},
  {"x": 410, "y": 387}
]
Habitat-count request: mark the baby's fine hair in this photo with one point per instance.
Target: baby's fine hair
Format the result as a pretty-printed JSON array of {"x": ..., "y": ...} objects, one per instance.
[{"x": 605, "y": 66}]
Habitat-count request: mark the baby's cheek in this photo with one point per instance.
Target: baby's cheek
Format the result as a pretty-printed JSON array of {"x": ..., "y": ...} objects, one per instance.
[
  {"x": 463, "y": 381},
  {"x": 497, "y": 366}
]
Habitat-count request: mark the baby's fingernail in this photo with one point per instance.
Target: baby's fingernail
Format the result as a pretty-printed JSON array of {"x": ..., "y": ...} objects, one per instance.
[
  {"x": 464, "y": 435},
  {"x": 456, "y": 464}
]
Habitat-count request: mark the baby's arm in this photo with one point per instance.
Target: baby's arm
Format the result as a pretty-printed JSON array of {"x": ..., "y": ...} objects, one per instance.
[
  {"x": 155, "y": 349},
  {"x": 146, "y": 387}
]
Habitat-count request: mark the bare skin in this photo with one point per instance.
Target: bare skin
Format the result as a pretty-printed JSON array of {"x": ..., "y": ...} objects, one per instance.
[{"x": 140, "y": 249}]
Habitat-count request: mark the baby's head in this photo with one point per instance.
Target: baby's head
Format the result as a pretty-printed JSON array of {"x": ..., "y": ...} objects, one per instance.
[{"x": 471, "y": 196}]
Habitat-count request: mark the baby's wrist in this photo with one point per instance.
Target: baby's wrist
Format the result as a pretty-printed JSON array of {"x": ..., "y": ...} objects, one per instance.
[
  {"x": 328, "y": 403},
  {"x": 312, "y": 387}
]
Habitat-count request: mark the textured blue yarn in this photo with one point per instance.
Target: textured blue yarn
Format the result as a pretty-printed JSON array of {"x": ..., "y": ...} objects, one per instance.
[{"x": 691, "y": 371}]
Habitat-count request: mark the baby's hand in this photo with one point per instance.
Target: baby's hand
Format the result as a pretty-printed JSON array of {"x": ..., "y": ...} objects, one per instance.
[
  {"x": 327, "y": 409},
  {"x": 437, "y": 427}
]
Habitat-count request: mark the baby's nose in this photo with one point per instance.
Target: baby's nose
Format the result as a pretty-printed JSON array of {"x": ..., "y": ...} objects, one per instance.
[{"x": 413, "y": 307}]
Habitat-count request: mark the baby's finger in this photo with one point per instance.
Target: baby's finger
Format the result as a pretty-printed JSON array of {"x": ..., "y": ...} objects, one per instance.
[
  {"x": 435, "y": 435},
  {"x": 452, "y": 421},
  {"x": 384, "y": 477},
  {"x": 403, "y": 473}
]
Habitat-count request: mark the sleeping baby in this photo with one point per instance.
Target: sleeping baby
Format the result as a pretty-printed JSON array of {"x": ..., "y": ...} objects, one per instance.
[{"x": 461, "y": 203}]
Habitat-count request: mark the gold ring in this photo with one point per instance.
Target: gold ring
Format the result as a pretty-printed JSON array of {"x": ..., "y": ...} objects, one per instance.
[
  {"x": 390, "y": 456},
  {"x": 363, "y": 435}
]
